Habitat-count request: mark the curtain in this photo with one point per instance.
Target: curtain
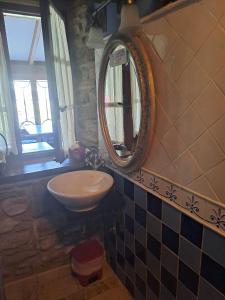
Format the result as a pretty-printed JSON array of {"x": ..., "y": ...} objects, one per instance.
[
  {"x": 135, "y": 98},
  {"x": 7, "y": 126},
  {"x": 63, "y": 79},
  {"x": 113, "y": 96}
]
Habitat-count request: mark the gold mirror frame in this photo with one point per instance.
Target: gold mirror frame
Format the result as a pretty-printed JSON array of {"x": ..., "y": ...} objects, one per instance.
[{"x": 136, "y": 43}]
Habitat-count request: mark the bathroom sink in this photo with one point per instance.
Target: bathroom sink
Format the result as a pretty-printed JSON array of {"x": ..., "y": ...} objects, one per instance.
[{"x": 80, "y": 190}]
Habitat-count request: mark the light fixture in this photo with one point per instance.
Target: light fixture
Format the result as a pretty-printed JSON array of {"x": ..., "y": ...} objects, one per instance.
[{"x": 129, "y": 15}]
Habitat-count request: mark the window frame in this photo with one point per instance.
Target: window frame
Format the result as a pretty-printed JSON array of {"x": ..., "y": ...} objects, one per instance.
[{"x": 39, "y": 11}]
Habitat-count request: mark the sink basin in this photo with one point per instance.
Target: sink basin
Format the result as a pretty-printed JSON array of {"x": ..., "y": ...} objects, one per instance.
[{"x": 80, "y": 190}]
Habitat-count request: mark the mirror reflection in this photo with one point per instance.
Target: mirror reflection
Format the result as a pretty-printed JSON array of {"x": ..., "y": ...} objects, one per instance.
[{"x": 122, "y": 102}]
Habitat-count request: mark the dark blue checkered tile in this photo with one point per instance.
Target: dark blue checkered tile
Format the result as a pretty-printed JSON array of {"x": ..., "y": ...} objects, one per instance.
[
  {"x": 213, "y": 273},
  {"x": 129, "y": 240},
  {"x": 129, "y": 271},
  {"x": 129, "y": 224},
  {"x": 169, "y": 281},
  {"x": 129, "y": 207},
  {"x": 151, "y": 295},
  {"x": 129, "y": 256},
  {"x": 140, "y": 215},
  {"x": 183, "y": 293},
  {"x": 120, "y": 260},
  {"x": 208, "y": 292},
  {"x": 169, "y": 260},
  {"x": 171, "y": 217},
  {"x": 140, "y": 234},
  {"x": 118, "y": 182},
  {"x": 154, "y": 226},
  {"x": 129, "y": 189},
  {"x": 188, "y": 277},
  {"x": 120, "y": 273},
  {"x": 130, "y": 286},
  {"x": 153, "y": 264},
  {"x": 211, "y": 243},
  {"x": 140, "y": 269},
  {"x": 153, "y": 283},
  {"x": 165, "y": 294},
  {"x": 120, "y": 226},
  {"x": 140, "y": 251},
  {"x": 154, "y": 246},
  {"x": 140, "y": 285},
  {"x": 170, "y": 238},
  {"x": 191, "y": 230},
  {"x": 190, "y": 254},
  {"x": 140, "y": 197},
  {"x": 154, "y": 205},
  {"x": 120, "y": 246}
]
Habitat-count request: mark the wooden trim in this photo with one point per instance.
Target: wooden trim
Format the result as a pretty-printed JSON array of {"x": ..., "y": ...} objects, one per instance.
[
  {"x": 136, "y": 43},
  {"x": 35, "y": 39}
]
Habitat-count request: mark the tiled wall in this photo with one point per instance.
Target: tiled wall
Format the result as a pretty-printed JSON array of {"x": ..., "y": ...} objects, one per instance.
[
  {"x": 187, "y": 46},
  {"x": 160, "y": 253}
]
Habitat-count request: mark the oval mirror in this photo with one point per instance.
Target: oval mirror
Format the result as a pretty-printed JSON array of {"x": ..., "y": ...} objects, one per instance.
[{"x": 126, "y": 100}]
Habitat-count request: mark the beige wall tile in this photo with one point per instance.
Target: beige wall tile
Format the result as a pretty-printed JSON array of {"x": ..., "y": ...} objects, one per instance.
[
  {"x": 206, "y": 152},
  {"x": 192, "y": 81},
  {"x": 186, "y": 167},
  {"x": 212, "y": 53},
  {"x": 157, "y": 69},
  {"x": 210, "y": 105},
  {"x": 163, "y": 124},
  {"x": 158, "y": 158},
  {"x": 172, "y": 100},
  {"x": 173, "y": 144},
  {"x": 216, "y": 178},
  {"x": 190, "y": 127},
  {"x": 161, "y": 34},
  {"x": 170, "y": 173},
  {"x": 218, "y": 131},
  {"x": 177, "y": 59},
  {"x": 202, "y": 186},
  {"x": 189, "y": 19},
  {"x": 222, "y": 21},
  {"x": 219, "y": 79},
  {"x": 216, "y": 7}
]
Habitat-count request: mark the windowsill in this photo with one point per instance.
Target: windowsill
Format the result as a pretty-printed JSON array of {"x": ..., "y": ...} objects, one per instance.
[{"x": 22, "y": 170}]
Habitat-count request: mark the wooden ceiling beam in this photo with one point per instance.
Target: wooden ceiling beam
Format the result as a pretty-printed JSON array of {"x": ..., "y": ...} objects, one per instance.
[{"x": 35, "y": 39}]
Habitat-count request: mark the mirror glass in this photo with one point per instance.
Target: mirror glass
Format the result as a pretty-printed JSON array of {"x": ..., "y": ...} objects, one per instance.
[{"x": 122, "y": 102}]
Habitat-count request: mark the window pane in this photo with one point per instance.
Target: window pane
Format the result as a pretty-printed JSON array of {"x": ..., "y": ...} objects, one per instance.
[
  {"x": 24, "y": 102},
  {"x": 44, "y": 103}
]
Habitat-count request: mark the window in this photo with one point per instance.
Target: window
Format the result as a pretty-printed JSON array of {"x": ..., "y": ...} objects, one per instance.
[{"x": 30, "y": 114}]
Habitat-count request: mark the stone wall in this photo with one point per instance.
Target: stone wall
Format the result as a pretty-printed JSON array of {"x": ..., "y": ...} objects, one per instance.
[
  {"x": 37, "y": 232},
  {"x": 83, "y": 68}
]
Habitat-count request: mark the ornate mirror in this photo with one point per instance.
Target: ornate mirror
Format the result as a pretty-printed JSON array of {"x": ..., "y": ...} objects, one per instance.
[{"x": 127, "y": 100}]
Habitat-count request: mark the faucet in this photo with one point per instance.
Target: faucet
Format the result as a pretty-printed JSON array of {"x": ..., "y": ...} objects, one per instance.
[{"x": 93, "y": 159}]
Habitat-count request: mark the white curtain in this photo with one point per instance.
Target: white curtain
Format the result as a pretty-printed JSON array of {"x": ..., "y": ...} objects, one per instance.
[
  {"x": 63, "y": 79},
  {"x": 7, "y": 127},
  {"x": 135, "y": 98},
  {"x": 113, "y": 96}
]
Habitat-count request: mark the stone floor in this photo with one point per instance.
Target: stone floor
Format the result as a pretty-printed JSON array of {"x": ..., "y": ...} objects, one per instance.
[{"x": 59, "y": 284}]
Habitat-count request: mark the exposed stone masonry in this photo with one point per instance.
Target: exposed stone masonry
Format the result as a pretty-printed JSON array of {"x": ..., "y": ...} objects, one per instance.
[
  {"x": 37, "y": 232},
  {"x": 83, "y": 68}
]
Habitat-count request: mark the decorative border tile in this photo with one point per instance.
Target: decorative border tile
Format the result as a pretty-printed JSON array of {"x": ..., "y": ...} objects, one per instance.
[{"x": 203, "y": 210}]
